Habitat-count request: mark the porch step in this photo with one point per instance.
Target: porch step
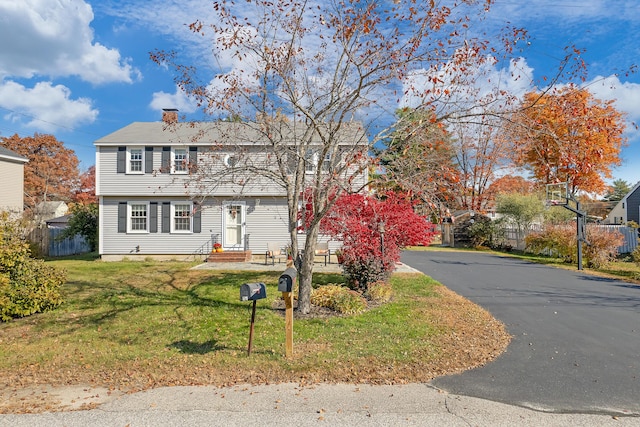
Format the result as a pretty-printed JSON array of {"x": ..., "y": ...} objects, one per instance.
[{"x": 229, "y": 256}]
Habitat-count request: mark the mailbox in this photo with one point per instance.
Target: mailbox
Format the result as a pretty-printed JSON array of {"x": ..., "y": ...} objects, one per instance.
[
  {"x": 252, "y": 291},
  {"x": 287, "y": 280}
]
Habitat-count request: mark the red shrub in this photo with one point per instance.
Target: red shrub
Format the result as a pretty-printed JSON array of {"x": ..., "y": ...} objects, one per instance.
[{"x": 373, "y": 231}]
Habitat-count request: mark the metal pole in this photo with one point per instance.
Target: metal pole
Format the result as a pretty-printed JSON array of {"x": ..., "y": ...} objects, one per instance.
[
  {"x": 253, "y": 319},
  {"x": 579, "y": 233}
]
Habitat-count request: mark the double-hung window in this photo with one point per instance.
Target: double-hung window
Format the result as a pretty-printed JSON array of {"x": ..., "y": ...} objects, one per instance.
[
  {"x": 138, "y": 217},
  {"x": 326, "y": 164},
  {"x": 180, "y": 160},
  {"x": 181, "y": 218},
  {"x": 310, "y": 161},
  {"x": 135, "y": 163}
]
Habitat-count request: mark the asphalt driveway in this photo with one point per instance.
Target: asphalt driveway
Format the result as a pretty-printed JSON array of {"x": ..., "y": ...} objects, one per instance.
[{"x": 576, "y": 337}]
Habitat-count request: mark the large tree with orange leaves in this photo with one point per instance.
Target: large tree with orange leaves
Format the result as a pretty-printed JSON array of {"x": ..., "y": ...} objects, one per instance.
[
  {"x": 51, "y": 172},
  {"x": 568, "y": 135},
  {"x": 86, "y": 192}
]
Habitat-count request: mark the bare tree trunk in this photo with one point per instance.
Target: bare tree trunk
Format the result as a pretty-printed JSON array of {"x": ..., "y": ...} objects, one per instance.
[{"x": 306, "y": 271}]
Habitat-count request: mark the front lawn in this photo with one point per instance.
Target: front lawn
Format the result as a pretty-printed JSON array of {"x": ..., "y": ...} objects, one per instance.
[{"x": 136, "y": 325}]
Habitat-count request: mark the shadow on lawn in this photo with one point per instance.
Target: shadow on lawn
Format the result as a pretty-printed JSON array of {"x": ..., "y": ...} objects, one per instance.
[
  {"x": 190, "y": 347},
  {"x": 110, "y": 294}
]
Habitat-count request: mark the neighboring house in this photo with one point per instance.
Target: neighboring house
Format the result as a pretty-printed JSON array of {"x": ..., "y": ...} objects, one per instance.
[
  {"x": 12, "y": 178},
  {"x": 627, "y": 209},
  {"x": 150, "y": 204},
  {"x": 48, "y": 210}
]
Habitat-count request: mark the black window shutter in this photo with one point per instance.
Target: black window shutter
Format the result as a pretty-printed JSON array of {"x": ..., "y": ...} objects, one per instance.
[
  {"x": 148, "y": 159},
  {"x": 122, "y": 217},
  {"x": 193, "y": 159},
  {"x": 166, "y": 159},
  {"x": 122, "y": 160},
  {"x": 166, "y": 217},
  {"x": 197, "y": 218},
  {"x": 153, "y": 217}
]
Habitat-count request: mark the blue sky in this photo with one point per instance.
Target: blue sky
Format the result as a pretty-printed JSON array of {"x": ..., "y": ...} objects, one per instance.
[{"x": 80, "y": 69}]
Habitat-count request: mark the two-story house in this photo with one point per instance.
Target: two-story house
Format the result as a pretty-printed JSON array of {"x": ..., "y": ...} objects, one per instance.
[
  {"x": 169, "y": 189},
  {"x": 12, "y": 178},
  {"x": 627, "y": 209}
]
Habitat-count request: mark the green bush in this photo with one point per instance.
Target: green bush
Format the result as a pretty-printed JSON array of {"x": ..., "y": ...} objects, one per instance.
[
  {"x": 338, "y": 298},
  {"x": 27, "y": 285}
]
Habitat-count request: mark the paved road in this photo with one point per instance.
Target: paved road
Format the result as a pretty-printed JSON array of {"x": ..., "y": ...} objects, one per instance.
[{"x": 576, "y": 345}]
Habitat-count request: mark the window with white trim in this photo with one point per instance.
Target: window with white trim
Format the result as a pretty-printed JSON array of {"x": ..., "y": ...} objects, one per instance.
[
  {"x": 310, "y": 161},
  {"x": 135, "y": 160},
  {"x": 181, "y": 218},
  {"x": 138, "y": 217},
  {"x": 326, "y": 164},
  {"x": 180, "y": 161}
]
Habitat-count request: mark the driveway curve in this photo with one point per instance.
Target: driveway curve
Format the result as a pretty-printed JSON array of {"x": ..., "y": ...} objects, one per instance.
[{"x": 576, "y": 337}]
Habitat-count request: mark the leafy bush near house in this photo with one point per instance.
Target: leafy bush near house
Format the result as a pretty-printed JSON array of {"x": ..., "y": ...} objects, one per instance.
[
  {"x": 373, "y": 231},
  {"x": 553, "y": 240},
  {"x": 560, "y": 241},
  {"x": 84, "y": 221},
  {"x": 602, "y": 247},
  {"x": 379, "y": 292},
  {"x": 338, "y": 298},
  {"x": 27, "y": 285},
  {"x": 362, "y": 269},
  {"x": 635, "y": 255}
]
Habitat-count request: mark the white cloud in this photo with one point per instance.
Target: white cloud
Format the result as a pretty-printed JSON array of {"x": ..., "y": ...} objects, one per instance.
[
  {"x": 624, "y": 94},
  {"x": 177, "y": 100},
  {"x": 54, "y": 38},
  {"x": 46, "y": 107},
  {"x": 488, "y": 82}
]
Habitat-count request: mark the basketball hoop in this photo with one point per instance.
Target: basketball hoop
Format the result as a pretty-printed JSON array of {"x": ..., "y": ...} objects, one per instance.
[{"x": 557, "y": 194}]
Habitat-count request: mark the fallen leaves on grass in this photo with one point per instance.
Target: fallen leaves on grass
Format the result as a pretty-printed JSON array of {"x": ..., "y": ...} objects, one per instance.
[{"x": 469, "y": 337}]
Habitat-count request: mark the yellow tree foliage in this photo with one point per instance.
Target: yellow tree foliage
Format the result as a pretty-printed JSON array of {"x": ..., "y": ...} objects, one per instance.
[{"x": 568, "y": 136}]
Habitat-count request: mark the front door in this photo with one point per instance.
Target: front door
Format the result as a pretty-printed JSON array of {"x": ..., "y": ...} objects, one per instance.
[{"x": 233, "y": 224}]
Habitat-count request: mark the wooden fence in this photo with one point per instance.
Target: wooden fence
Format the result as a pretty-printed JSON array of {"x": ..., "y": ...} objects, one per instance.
[{"x": 46, "y": 241}]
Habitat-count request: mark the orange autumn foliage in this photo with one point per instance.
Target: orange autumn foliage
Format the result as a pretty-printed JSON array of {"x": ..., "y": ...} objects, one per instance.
[
  {"x": 52, "y": 170},
  {"x": 568, "y": 136}
]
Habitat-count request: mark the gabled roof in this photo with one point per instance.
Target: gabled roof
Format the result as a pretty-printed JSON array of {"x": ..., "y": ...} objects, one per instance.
[
  {"x": 61, "y": 220},
  {"x": 211, "y": 133},
  {"x": 7, "y": 154},
  {"x": 624, "y": 199},
  {"x": 50, "y": 207}
]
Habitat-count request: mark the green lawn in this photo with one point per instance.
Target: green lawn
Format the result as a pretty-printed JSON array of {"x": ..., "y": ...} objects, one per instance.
[{"x": 144, "y": 324}]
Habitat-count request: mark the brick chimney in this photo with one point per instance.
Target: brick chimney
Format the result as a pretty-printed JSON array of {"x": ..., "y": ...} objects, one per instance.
[{"x": 170, "y": 115}]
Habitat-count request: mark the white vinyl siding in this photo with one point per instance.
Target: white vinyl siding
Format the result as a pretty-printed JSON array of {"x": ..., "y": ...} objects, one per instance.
[
  {"x": 112, "y": 183},
  {"x": 12, "y": 193}
]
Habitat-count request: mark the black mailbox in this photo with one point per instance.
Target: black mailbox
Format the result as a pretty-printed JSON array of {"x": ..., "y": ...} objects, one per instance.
[
  {"x": 287, "y": 280},
  {"x": 252, "y": 291}
]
